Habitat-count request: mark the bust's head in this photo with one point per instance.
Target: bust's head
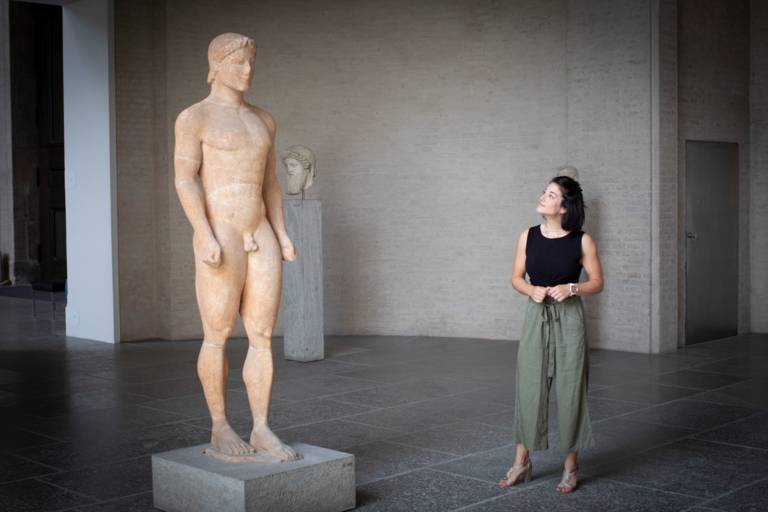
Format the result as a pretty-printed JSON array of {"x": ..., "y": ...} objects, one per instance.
[
  {"x": 299, "y": 162},
  {"x": 230, "y": 61},
  {"x": 569, "y": 171}
]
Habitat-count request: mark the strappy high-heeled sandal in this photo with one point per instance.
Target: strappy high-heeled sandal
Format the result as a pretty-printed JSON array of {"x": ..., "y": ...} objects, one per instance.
[
  {"x": 565, "y": 486},
  {"x": 515, "y": 473}
]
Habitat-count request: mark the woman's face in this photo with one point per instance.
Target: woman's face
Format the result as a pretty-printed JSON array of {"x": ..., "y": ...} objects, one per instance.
[{"x": 550, "y": 201}]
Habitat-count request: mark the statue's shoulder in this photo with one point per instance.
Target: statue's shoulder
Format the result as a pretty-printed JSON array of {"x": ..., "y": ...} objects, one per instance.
[
  {"x": 265, "y": 116},
  {"x": 192, "y": 115}
]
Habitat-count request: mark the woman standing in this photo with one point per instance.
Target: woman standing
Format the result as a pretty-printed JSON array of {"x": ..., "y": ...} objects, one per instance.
[{"x": 553, "y": 345}]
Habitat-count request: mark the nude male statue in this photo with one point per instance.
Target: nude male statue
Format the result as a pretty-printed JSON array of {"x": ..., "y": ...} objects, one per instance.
[{"x": 225, "y": 177}]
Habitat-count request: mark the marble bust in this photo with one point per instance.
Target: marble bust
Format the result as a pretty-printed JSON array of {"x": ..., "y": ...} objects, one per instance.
[
  {"x": 224, "y": 162},
  {"x": 299, "y": 162},
  {"x": 569, "y": 171}
]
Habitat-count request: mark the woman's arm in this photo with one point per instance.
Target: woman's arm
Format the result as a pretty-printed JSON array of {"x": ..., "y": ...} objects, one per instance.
[
  {"x": 591, "y": 263},
  {"x": 537, "y": 293}
]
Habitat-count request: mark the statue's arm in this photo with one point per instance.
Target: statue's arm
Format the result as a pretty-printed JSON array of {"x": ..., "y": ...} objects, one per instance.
[
  {"x": 187, "y": 159},
  {"x": 273, "y": 196}
]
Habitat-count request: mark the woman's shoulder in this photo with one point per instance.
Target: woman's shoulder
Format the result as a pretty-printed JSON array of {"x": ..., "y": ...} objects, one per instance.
[{"x": 587, "y": 240}]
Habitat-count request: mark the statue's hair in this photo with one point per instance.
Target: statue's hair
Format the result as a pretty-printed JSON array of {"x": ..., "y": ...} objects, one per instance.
[
  {"x": 305, "y": 157},
  {"x": 223, "y": 45}
]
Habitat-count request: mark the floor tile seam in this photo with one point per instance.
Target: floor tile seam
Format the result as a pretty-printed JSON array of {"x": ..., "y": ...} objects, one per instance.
[
  {"x": 23, "y": 479},
  {"x": 733, "y": 491},
  {"x": 712, "y": 372},
  {"x": 392, "y": 432},
  {"x": 529, "y": 487},
  {"x": 77, "y": 493},
  {"x": 455, "y": 456},
  {"x": 388, "y": 477},
  {"x": 693, "y": 397},
  {"x": 402, "y": 432},
  {"x": 297, "y": 425},
  {"x": 668, "y": 442},
  {"x": 754, "y": 409},
  {"x": 725, "y": 424},
  {"x": 54, "y": 440},
  {"x": 451, "y": 458},
  {"x": 54, "y": 468},
  {"x": 661, "y": 404},
  {"x": 59, "y": 470},
  {"x": 186, "y": 418},
  {"x": 672, "y": 425},
  {"x": 110, "y": 500},
  {"x": 655, "y": 489},
  {"x": 476, "y": 479},
  {"x": 733, "y": 445},
  {"x": 333, "y": 397}
]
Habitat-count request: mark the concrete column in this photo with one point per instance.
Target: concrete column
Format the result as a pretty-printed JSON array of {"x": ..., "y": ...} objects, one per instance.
[
  {"x": 6, "y": 142},
  {"x": 89, "y": 138}
]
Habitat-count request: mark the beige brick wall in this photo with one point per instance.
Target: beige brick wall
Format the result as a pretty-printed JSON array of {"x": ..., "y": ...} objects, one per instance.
[{"x": 436, "y": 124}]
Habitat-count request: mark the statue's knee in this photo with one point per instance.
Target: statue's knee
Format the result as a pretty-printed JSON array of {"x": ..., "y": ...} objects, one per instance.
[
  {"x": 217, "y": 334},
  {"x": 256, "y": 329}
]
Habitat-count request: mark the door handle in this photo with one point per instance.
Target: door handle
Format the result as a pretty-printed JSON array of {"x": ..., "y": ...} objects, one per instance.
[{"x": 692, "y": 235}]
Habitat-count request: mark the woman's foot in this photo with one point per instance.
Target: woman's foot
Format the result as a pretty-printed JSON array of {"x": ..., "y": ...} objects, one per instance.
[
  {"x": 516, "y": 472},
  {"x": 569, "y": 482}
]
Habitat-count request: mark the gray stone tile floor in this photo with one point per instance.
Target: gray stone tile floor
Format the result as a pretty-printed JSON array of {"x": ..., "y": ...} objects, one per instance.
[{"x": 428, "y": 420}]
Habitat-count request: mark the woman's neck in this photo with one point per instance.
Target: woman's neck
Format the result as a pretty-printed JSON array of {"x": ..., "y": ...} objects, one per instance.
[{"x": 553, "y": 225}]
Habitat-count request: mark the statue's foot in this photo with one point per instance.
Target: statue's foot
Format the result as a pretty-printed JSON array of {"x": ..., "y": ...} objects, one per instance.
[
  {"x": 262, "y": 438},
  {"x": 226, "y": 441}
]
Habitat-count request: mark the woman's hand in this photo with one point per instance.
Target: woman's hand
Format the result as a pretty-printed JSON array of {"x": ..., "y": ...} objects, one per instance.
[
  {"x": 538, "y": 293},
  {"x": 559, "y": 292}
]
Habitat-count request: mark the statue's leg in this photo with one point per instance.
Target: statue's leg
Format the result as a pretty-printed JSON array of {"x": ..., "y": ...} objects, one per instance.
[
  {"x": 218, "y": 297},
  {"x": 261, "y": 300}
]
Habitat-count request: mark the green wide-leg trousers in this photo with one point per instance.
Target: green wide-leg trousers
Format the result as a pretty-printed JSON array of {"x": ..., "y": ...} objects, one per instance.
[{"x": 553, "y": 347}]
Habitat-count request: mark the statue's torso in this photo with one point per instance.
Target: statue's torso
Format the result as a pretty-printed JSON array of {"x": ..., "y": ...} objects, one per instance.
[{"x": 235, "y": 145}]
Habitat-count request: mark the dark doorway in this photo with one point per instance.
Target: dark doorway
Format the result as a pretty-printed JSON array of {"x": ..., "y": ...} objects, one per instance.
[
  {"x": 38, "y": 142},
  {"x": 712, "y": 240}
]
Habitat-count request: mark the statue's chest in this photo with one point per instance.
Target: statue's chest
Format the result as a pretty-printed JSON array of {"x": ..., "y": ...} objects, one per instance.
[{"x": 237, "y": 131}]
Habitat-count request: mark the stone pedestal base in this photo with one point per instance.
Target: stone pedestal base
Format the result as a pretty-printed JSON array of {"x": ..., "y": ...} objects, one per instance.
[
  {"x": 187, "y": 480},
  {"x": 303, "y": 283}
]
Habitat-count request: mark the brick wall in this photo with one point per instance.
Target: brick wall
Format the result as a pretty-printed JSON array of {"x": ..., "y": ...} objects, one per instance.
[{"x": 436, "y": 125}]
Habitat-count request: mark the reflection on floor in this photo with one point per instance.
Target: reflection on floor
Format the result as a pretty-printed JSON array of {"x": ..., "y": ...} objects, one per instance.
[{"x": 427, "y": 419}]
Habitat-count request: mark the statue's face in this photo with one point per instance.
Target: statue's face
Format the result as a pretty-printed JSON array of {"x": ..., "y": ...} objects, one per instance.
[
  {"x": 236, "y": 70},
  {"x": 297, "y": 176},
  {"x": 293, "y": 167}
]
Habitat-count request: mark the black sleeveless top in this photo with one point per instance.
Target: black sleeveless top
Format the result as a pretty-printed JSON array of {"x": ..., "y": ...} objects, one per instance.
[{"x": 553, "y": 261}]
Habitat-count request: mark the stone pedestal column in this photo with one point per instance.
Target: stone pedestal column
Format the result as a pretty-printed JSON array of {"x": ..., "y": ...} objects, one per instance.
[{"x": 303, "y": 282}]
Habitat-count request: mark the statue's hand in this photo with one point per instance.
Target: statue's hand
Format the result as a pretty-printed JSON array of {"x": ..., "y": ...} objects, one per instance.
[
  {"x": 209, "y": 249},
  {"x": 288, "y": 250}
]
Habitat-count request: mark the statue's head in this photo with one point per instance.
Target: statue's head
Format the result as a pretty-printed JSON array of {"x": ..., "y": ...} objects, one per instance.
[
  {"x": 569, "y": 171},
  {"x": 230, "y": 60},
  {"x": 299, "y": 164}
]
